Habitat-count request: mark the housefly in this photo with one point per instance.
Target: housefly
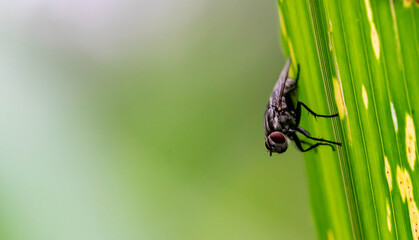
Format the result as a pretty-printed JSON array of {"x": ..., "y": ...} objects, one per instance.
[{"x": 282, "y": 119}]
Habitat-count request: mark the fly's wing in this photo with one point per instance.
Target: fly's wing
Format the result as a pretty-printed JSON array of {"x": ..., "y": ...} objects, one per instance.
[{"x": 279, "y": 88}]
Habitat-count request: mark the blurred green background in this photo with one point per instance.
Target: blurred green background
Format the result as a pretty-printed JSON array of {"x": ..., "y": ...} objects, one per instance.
[{"x": 143, "y": 120}]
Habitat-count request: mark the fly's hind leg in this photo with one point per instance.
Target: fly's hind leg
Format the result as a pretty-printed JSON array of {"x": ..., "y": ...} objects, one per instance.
[
  {"x": 298, "y": 73},
  {"x": 298, "y": 112},
  {"x": 291, "y": 83}
]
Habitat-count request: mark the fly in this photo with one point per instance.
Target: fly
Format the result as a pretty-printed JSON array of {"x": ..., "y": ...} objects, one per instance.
[{"x": 282, "y": 119}]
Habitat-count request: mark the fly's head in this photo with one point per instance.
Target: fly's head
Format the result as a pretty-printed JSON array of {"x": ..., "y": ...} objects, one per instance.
[{"x": 276, "y": 142}]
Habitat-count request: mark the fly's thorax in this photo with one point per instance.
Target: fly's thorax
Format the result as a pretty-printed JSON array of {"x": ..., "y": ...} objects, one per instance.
[
  {"x": 281, "y": 121},
  {"x": 271, "y": 120},
  {"x": 286, "y": 120}
]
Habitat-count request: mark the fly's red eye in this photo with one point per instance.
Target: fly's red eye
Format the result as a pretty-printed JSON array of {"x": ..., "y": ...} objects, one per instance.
[{"x": 277, "y": 137}]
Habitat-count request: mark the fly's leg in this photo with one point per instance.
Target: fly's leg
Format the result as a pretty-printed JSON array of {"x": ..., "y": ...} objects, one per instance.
[
  {"x": 292, "y": 83},
  {"x": 298, "y": 112},
  {"x": 305, "y": 133},
  {"x": 298, "y": 143},
  {"x": 298, "y": 74}
]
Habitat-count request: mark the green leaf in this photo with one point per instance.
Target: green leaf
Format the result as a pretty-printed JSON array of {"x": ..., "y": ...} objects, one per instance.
[{"x": 361, "y": 59}]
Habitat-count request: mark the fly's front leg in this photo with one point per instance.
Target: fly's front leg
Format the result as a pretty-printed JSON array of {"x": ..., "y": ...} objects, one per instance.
[
  {"x": 305, "y": 133},
  {"x": 298, "y": 112},
  {"x": 300, "y": 147},
  {"x": 305, "y": 142}
]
